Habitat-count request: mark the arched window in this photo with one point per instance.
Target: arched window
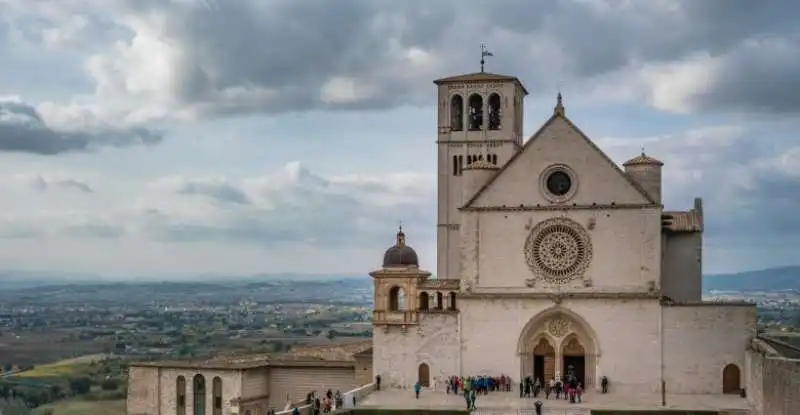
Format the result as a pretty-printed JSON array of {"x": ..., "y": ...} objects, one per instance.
[
  {"x": 453, "y": 301},
  {"x": 423, "y": 301},
  {"x": 216, "y": 389},
  {"x": 494, "y": 112},
  {"x": 180, "y": 395},
  {"x": 199, "y": 390},
  {"x": 397, "y": 299},
  {"x": 475, "y": 112},
  {"x": 439, "y": 299},
  {"x": 456, "y": 113}
]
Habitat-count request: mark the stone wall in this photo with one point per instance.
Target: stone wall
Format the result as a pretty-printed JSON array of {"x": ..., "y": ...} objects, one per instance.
[
  {"x": 492, "y": 329},
  {"x": 700, "y": 340},
  {"x": 773, "y": 384},
  {"x": 398, "y": 352}
]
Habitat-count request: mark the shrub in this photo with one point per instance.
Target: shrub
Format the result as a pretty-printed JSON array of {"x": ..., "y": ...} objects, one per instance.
[{"x": 109, "y": 385}]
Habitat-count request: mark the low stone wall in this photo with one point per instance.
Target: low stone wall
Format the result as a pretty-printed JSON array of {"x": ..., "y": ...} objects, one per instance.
[
  {"x": 773, "y": 384},
  {"x": 359, "y": 393}
]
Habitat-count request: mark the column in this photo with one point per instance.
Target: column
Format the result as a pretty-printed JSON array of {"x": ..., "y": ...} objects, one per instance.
[{"x": 559, "y": 370}]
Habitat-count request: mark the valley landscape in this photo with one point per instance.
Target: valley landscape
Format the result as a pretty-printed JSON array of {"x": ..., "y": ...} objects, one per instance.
[{"x": 65, "y": 342}]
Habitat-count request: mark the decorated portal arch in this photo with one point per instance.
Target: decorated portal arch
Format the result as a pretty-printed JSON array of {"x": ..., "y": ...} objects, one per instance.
[{"x": 558, "y": 342}]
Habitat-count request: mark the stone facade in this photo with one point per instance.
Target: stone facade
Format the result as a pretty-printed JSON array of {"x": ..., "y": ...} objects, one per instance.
[{"x": 560, "y": 261}]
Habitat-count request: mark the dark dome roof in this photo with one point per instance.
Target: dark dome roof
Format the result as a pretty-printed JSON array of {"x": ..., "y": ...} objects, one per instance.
[{"x": 400, "y": 255}]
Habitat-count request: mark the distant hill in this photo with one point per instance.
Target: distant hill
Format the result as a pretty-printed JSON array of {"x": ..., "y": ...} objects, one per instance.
[{"x": 771, "y": 279}]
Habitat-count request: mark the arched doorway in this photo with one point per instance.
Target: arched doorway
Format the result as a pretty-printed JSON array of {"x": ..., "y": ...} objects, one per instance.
[
  {"x": 544, "y": 361},
  {"x": 575, "y": 342},
  {"x": 574, "y": 359},
  {"x": 731, "y": 378},
  {"x": 424, "y": 375}
]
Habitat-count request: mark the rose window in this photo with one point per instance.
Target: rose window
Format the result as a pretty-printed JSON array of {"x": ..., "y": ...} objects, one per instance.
[{"x": 558, "y": 250}]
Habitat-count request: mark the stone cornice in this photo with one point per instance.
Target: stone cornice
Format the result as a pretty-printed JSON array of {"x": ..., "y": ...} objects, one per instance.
[
  {"x": 495, "y": 141},
  {"x": 550, "y": 208},
  {"x": 432, "y": 284},
  {"x": 715, "y": 303},
  {"x": 558, "y": 297}
]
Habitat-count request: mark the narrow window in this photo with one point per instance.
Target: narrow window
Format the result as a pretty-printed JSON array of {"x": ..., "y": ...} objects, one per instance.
[
  {"x": 475, "y": 112},
  {"x": 455, "y": 165},
  {"x": 460, "y": 164},
  {"x": 494, "y": 112},
  {"x": 199, "y": 390},
  {"x": 180, "y": 395},
  {"x": 217, "y": 391},
  {"x": 457, "y": 113},
  {"x": 439, "y": 299}
]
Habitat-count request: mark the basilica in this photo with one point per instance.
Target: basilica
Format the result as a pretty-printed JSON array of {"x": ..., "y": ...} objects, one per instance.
[{"x": 551, "y": 258}]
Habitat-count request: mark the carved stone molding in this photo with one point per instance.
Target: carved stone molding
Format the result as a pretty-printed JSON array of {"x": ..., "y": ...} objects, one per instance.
[{"x": 558, "y": 327}]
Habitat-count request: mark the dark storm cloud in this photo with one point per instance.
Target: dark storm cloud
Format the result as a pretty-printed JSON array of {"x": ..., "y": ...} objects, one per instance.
[
  {"x": 23, "y": 130},
  {"x": 292, "y": 48}
]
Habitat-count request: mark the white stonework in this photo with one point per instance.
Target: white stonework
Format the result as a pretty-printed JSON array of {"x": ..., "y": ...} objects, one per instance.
[{"x": 619, "y": 282}]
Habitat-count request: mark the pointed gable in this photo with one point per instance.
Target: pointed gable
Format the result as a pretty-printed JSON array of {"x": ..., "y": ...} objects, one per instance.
[{"x": 559, "y": 142}]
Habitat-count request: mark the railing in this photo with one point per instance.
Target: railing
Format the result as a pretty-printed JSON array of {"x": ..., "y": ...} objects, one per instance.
[{"x": 359, "y": 393}]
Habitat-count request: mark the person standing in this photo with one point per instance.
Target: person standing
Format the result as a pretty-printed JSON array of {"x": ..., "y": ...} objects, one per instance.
[
  {"x": 538, "y": 405},
  {"x": 417, "y": 389}
]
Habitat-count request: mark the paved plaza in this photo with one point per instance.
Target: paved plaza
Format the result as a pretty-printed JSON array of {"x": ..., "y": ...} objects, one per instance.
[{"x": 500, "y": 402}]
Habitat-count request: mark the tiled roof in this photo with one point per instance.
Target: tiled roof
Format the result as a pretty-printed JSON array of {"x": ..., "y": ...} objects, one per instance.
[
  {"x": 643, "y": 159},
  {"x": 340, "y": 355}
]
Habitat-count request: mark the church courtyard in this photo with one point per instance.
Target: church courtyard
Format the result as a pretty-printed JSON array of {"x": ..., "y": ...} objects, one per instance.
[{"x": 509, "y": 402}]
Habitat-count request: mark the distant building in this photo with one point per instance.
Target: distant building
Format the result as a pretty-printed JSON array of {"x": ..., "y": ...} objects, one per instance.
[{"x": 247, "y": 385}]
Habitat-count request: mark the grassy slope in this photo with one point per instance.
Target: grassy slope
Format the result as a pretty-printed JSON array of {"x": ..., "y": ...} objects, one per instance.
[
  {"x": 80, "y": 407},
  {"x": 63, "y": 368}
]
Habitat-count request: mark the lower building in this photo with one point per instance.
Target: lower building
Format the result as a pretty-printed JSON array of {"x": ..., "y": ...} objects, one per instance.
[{"x": 249, "y": 385}]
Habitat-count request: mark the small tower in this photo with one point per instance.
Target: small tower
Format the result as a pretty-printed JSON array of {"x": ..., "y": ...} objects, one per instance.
[
  {"x": 396, "y": 283},
  {"x": 476, "y": 175},
  {"x": 646, "y": 171},
  {"x": 480, "y": 115}
]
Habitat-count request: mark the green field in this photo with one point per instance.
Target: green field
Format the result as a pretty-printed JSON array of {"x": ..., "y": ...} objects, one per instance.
[
  {"x": 80, "y": 407},
  {"x": 63, "y": 368}
]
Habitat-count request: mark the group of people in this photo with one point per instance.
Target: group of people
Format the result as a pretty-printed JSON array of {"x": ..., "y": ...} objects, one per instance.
[
  {"x": 326, "y": 403},
  {"x": 480, "y": 384},
  {"x": 567, "y": 388}
]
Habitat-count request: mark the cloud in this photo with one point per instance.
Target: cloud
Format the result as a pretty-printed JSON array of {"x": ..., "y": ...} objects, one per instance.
[
  {"x": 212, "y": 58},
  {"x": 23, "y": 130},
  {"x": 291, "y": 206},
  {"x": 749, "y": 187}
]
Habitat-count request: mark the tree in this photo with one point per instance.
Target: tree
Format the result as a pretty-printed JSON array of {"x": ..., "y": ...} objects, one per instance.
[
  {"x": 109, "y": 385},
  {"x": 80, "y": 386}
]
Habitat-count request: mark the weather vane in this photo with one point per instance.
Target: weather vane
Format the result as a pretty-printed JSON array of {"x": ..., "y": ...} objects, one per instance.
[{"x": 484, "y": 53}]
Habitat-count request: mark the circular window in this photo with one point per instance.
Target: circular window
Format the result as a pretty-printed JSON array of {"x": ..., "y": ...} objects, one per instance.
[
  {"x": 558, "y": 250},
  {"x": 559, "y": 183}
]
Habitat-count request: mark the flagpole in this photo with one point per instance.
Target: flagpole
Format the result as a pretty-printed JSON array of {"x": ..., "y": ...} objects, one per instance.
[{"x": 483, "y": 56}]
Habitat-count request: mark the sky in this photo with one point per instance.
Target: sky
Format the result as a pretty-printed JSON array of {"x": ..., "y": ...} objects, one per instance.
[{"x": 184, "y": 137}]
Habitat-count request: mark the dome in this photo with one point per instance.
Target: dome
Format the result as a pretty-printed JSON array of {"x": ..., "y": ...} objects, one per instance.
[
  {"x": 643, "y": 160},
  {"x": 400, "y": 255}
]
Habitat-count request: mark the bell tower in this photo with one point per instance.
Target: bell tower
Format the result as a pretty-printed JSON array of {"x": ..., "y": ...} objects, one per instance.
[{"x": 480, "y": 117}]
